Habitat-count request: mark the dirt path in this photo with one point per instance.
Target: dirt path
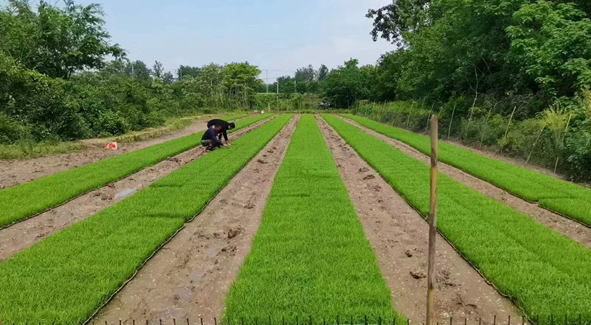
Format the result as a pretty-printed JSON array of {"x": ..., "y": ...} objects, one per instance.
[
  {"x": 191, "y": 275},
  {"x": 30, "y": 231},
  {"x": 14, "y": 172},
  {"x": 398, "y": 235},
  {"x": 556, "y": 222}
]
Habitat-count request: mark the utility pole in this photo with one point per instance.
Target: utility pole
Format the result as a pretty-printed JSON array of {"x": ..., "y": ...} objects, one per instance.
[{"x": 267, "y": 80}]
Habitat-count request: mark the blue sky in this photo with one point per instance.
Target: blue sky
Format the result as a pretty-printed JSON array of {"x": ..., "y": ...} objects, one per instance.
[{"x": 277, "y": 35}]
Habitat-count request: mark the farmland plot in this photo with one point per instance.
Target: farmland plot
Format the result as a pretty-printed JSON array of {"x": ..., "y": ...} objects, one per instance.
[
  {"x": 566, "y": 226},
  {"x": 398, "y": 235},
  {"x": 27, "y": 232},
  {"x": 542, "y": 271},
  {"x": 23, "y": 201},
  {"x": 310, "y": 257},
  {"x": 557, "y": 195},
  {"x": 69, "y": 275},
  {"x": 196, "y": 268}
]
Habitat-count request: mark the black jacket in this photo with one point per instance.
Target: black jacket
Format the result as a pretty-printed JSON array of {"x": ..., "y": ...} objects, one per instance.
[
  {"x": 223, "y": 124},
  {"x": 210, "y": 134}
]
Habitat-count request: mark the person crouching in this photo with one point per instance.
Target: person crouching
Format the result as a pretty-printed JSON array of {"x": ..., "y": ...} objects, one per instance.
[{"x": 210, "y": 139}]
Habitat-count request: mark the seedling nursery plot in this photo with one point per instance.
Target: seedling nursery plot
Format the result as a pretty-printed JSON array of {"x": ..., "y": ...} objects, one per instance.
[
  {"x": 310, "y": 257},
  {"x": 23, "y": 201},
  {"x": 542, "y": 271},
  {"x": 66, "y": 277},
  {"x": 560, "y": 196},
  {"x": 310, "y": 261}
]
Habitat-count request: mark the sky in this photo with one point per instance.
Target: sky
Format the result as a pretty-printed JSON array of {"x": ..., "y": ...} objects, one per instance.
[{"x": 279, "y": 36}]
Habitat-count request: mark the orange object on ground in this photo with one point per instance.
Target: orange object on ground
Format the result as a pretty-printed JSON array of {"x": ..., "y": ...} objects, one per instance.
[{"x": 112, "y": 145}]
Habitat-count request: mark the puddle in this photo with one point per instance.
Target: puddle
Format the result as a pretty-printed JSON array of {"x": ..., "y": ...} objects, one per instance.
[
  {"x": 212, "y": 251},
  {"x": 184, "y": 294},
  {"x": 124, "y": 193},
  {"x": 197, "y": 276}
]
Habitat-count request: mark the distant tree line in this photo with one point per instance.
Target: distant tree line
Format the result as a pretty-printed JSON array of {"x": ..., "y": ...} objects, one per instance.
[{"x": 56, "y": 82}]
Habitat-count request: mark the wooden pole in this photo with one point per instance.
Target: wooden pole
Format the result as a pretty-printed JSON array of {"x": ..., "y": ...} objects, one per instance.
[{"x": 432, "y": 220}]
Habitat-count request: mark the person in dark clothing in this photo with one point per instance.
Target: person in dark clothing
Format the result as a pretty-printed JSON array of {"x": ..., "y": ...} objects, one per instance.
[
  {"x": 210, "y": 139},
  {"x": 225, "y": 126}
]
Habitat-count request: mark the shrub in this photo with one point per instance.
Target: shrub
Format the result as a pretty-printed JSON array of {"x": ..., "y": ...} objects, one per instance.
[{"x": 113, "y": 123}]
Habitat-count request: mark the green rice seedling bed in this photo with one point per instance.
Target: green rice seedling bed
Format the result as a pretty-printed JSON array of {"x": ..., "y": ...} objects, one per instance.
[
  {"x": 26, "y": 200},
  {"x": 566, "y": 198},
  {"x": 66, "y": 277},
  {"x": 310, "y": 257},
  {"x": 542, "y": 271}
]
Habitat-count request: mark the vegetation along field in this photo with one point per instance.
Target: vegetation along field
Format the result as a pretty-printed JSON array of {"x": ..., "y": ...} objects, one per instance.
[{"x": 315, "y": 211}]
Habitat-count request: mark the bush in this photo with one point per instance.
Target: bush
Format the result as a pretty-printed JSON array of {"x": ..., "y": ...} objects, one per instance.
[
  {"x": 113, "y": 123},
  {"x": 483, "y": 130},
  {"x": 11, "y": 130}
]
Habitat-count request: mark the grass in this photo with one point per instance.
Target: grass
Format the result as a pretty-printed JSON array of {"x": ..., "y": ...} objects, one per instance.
[
  {"x": 310, "y": 257},
  {"x": 542, "y": 271},
  {"x": 66, "y": 277},
  {"x": 31, "y": 149},
  {"x": 23, "y": 201},
  {"x": 552, "y": 193}
]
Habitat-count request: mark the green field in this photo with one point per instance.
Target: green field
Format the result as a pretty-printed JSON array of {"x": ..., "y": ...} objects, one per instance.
[
  {"x": 23, "y": 201},
  {"x": 542, "y": 271},
  {"x": 557, "y": 195},
  {"x": 310, "y": 256},
  {"x": 67, "y": 276}
]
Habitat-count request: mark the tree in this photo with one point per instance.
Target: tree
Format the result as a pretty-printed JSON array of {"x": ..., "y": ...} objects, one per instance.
[
  {"x": 138, "y": 70},
  {"x": 305, "y": 74},
  {"x": 158, "y": 70},
  {"x": 239, "y": 80},
  {"x": 347, "y": 84},
  {"x": 168, "y": 78},
  {"x": 322, "y": 72},
  {"x": 393, "y": 20},
  {"x": 551, "y": 42},
  {"x": 186, "y": 71},
  {"x": 56, "y": 41}
]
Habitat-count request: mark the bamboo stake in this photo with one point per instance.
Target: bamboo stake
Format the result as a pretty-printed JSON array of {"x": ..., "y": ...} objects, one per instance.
[
  {"x": 432, "y": 220},
  {"x": 510, "y": 120},
  {"x": 562, "y": 142},
  {"x": 534, "y": 146},
  {"x": 452, "y": 120},
  {"x": 508, "y": 125}
]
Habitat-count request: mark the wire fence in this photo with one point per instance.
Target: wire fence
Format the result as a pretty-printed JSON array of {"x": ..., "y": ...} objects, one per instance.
[{"x": 364, "y": 320}]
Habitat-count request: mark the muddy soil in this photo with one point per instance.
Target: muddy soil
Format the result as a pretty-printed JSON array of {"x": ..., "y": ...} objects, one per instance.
[
  {"x": 556, "y": 222},
  {"x": 14, "y": 172},
  {"x": 399, "y": 237},
  {"x": 191, "y": 275},
  {"x": 30, "y": 231}
]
